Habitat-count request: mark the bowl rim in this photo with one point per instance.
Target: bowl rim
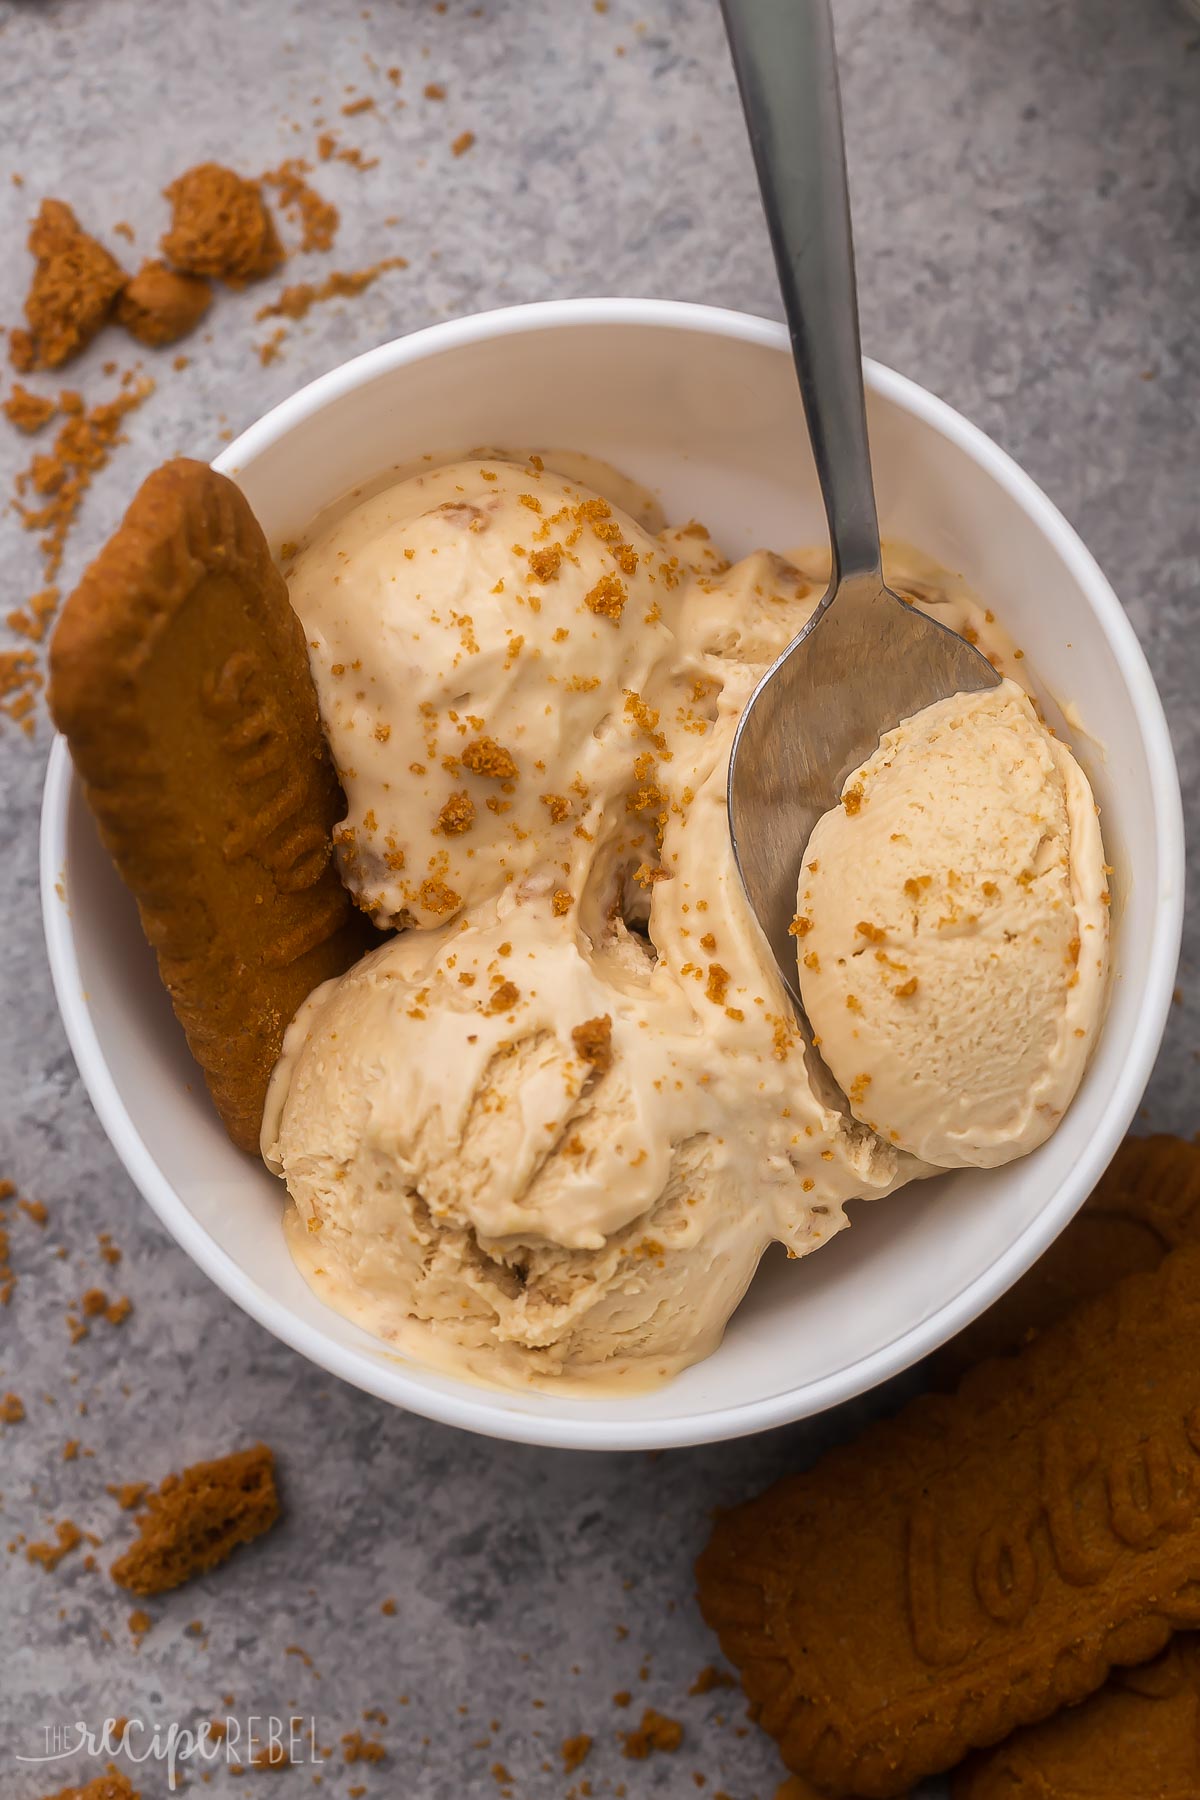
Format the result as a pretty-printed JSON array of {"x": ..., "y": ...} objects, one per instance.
[{"x": 481, "y": 1409}]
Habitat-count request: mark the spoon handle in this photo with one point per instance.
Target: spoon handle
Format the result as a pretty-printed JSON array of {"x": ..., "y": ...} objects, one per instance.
[{"x": 786, "y": 65}]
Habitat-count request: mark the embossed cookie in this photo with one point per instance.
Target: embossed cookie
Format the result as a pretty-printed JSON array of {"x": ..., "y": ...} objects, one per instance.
[
  {"x": 981, "y": 1560},
  {"x": 1146, "y": 1203},
  {"x": 179, "y": 676},
  {"x": 1138, "y": 1737}
]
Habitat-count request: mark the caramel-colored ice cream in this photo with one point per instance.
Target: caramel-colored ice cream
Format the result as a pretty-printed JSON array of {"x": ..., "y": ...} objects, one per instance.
[
  {"x": 546, "y": 1132},
  {"x": 953, "y": 931},
  {"x": 475, "y": 633}
]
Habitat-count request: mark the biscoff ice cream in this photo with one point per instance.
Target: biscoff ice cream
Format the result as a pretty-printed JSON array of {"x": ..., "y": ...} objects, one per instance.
[
  {"x": 540, "y": 1171},
  {"x": 474, "y": 632},
  {"x": 953, "y": 931},
  {"x": 546, "y": 1132}
]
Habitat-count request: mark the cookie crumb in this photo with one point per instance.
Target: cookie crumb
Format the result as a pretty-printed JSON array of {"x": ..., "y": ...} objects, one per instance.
[
  {"x": 484, "y": 756},
  {"x": 438, "y": 898},
  {"x": 593, "y": 1042},
  {"x": 575, "y": 1751},
  {"x": 357, "y": 1748},
  {"x": 318, "y": 219},
  {"x": 456, "y": 816},
  {"x": 67, "y": 1538},
  {"x": 111, "y": 1786},
  {"x": 75, "y": 285},
  {"x": 220, "y": 226},
  {"x": 607, "y": 598},
  {"x": 272, "y": 1756},
  {"x": 28, "y": 412},
  {"x": 160, "y": 305},
  {"x": 195, "y": 1520},
  {"x": 656, "y": 1732},
  {"x": 343, "y": 284},
  {"x": 711, "y": 1677},
  {"x": 22, "y": 351},
  {"x": 128, "y": 1494},
  {"x": 504, "y": 998},
  {"x": 717, "y": 985},
  {"x": 50, "y": 490}
]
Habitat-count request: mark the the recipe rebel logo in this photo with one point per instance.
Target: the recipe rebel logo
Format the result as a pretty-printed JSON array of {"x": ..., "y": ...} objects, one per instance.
[{"x": 262, "y": 1740}]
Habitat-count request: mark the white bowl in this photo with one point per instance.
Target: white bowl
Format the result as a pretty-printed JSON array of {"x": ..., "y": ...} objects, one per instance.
[{"x": 702, "y": 406}]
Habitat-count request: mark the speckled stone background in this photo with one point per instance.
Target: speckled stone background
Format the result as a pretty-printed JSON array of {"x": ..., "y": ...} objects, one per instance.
[{"x": 1026, "y": 180}]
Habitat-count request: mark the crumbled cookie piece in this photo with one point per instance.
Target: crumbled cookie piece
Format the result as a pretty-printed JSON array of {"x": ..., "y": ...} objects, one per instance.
[
  {"x": 272, "y": 1756},
  {"x": 22, "y": 350},
  {"x": 110, "y": 1786},
  {"x": 357, "y": 1748},
  {"x": 195, "y": 1520},
  {"x": 160, "y": 305},
  {"x": 220, "y": 226},
  {"x": 710, "y": 1676},
  {"x": 456, "y": 816},
  {"x": 128, "y": 1494},
  {"x": 317, "y": 218},
  {"x": 67, "y": 1536},
  {"x": 28, "y": 412},
  {"x": 593, "y": 1042},
  {"x": 575, "y": 1751},
  {"x": 485, "y": 757},
  {"x": 74, "y": 287},
  {"x": 656, "y": 1732}
]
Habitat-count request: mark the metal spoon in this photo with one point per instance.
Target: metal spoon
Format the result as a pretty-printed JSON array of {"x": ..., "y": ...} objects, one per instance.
[{"x": 866, "y": 660}]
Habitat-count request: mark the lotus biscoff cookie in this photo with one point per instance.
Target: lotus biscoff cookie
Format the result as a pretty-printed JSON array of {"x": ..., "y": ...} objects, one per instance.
[
  {"x": 981, "y": 1560},
  {"x": 1137, "y": 1737},
  {"x": 1146, "y": 1203},
  {"x": 179, "y": 676}
]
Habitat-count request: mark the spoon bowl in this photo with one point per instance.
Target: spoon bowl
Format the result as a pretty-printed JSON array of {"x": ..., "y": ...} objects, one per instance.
[{"x": 858, "y": 668}]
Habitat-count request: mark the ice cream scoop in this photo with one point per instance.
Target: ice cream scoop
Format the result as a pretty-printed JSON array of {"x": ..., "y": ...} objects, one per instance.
[
  {"x": 952, "y": 929},
  {"x": 865, "y": 660},
  {"x": 475, "y": 632}
]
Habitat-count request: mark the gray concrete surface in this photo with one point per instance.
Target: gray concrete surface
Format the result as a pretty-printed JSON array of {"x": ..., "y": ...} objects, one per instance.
[{"x": 1027, "y": 186}]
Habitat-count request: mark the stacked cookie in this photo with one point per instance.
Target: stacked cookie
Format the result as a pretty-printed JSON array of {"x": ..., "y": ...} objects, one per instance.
[{"x": 988, "y": 1558}]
